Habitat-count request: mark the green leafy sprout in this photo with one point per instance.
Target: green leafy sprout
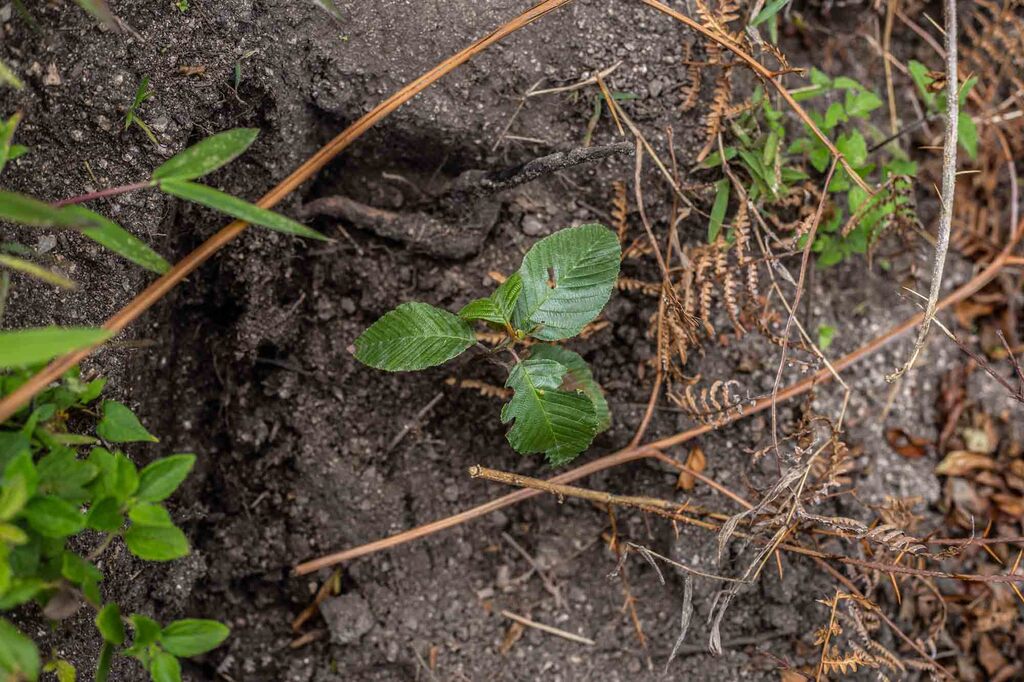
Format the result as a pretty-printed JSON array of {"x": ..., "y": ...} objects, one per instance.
[
  {"x": 65, "y": 489},
  {"x": 565, "y": 280},
  {"x": 142, "y": 93}
]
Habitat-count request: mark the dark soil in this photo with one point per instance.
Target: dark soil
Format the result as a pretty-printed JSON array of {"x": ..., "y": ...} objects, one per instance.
[{"x": 247, "y": 364}]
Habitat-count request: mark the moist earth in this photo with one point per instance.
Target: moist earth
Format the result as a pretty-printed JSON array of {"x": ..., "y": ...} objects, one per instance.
[{"x": 248, "y": 365}]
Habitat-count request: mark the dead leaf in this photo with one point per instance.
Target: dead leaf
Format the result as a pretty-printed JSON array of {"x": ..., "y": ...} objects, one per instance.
[
  {"x": 196, "y": 70},
  {"x": 962, "y": 462},
  {"x": 695, "y": 461},
  {"x": 989, "y": 655},
  {"x": 1009, "y": 504},
  {"x": 512, "y": 635},
  {"x": 904, "y": 444},
  {"x": 968, "y": 311}
]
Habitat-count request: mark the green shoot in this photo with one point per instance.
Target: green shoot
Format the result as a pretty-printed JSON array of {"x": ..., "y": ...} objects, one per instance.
[
  {"x": 8, "y": 77},
  {"x": 142, "y": 93},
  {"x": 564, "y": 282}
]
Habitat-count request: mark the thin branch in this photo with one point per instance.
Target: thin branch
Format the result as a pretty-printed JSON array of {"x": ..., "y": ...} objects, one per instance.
[
  {"x": 572, "y": 637},
  {"x": 102, "y": 194},
  {"x": 948, "y": 187}
]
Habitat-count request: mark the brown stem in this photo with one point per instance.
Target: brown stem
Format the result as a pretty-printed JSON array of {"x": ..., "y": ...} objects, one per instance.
[{"x": 159, "y": 288}]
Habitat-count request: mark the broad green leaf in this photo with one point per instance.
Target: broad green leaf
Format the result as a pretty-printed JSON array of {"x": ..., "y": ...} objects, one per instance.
[
  {"x": 161, "y": 478},
  {"x": 19, "y": 208},
  {"x": 207, "y": 155},
  {"x": 109, "y": 234},
  {"x": 120, "y": 425},
  {"x": 579, "y": 377},
  {"x": 862, "y": 103},
  {"x": 53, "y": 517},
  {"x": 146, "y": 632},
  {"x": 7, "y": 76},
  {"x": 35, "y": 346},
  {"x": 78, "y": 570},
  {"x": 193, "y": 636},
  {"x": 568, "y": 278},
  {"x": 967, "y": 134},
  {"x": 557, "y": 423},
  {"x": 105, "y": 515},
  {"x": 149, "y": 514},
  {"x": 834, "y": 115},
  {"x": 61, "y": 473},
  {"x": 722, "y": 188},
  {"x": 156, "y": 543},
  {"x": 413, "y": 336},
  {"x": 12, "y": 535},
  {"x": 118, "y": 477},
  {"x": 108, "y": 622},
  {"x": 18, "y": 654},
  {"x": 165, "y": 668},
  {"x": 770, "y": 9},
  {"x": 499, "y": 306},
  {"x": 13, "y": 496},
  {"x": 237, "y": 208},
  {"x": 21, "y": 591},
  {"x": 846, "y": 83},
  {"x": 853, "y": 146}
]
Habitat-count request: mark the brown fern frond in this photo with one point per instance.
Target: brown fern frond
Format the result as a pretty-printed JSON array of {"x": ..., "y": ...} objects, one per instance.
[
  {"x": 717, "y": 113},
  {"x": 691, "y": 90},
  {"x": 620, "y": 209},
  {"x": 631, "y": 284},
  {"x": 847, "y": 664},
  {"x": 481, "y": 387}
]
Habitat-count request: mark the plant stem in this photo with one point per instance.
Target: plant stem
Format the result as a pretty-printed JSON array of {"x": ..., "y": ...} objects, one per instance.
[{"x": 103, "y": 193}]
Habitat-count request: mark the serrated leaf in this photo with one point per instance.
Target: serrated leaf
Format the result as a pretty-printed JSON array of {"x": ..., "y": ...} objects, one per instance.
[
  {"x": 579, "y": 377},
  {"x": 161, "y": 478},
  {"x": 558, "y": 423},
  {"x": 193, "y": 636},
  {"x": 108, "y": 622},
  {"x": 568, "y": 278},
  {"x": 413, "y": 336},
  {"x": 164, "y": 667},
  {"x": 34, "y": 346},
  {"x": 112, "y": 236},
  {"x": 156, "y": 543},
  {"x": 18, "y": 654},
  {"x": 499, "y": 306},
  {"x": 237, "y": 208},
  {"x": 120, "y": 425},
  {"x": 722, "y": 188},
  {"x": 53, "y": 517},
  {"x": 207, "y": 155}
]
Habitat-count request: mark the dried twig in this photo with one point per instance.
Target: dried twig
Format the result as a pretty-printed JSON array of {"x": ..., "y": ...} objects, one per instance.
[
  {"x": 572, "y": 637},
  {"x": 948, "y": 187}
]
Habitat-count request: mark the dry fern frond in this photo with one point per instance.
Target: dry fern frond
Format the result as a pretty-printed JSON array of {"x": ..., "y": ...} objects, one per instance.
[
  {"x": 620, "y": 210},
  {"x": 847, "y": 664},
  {"x": 691, "y": 90},
  {"x": 481, "y": 387},
  {"x": 630, "y": 284}
]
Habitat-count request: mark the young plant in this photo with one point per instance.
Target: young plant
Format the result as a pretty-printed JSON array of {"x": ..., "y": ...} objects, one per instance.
[
  {"x": 930, "y": 85},
  {"x": 564, "y": 282},
  {"x": 56, "y": 500},
  {"x": 142, "y": 93}
]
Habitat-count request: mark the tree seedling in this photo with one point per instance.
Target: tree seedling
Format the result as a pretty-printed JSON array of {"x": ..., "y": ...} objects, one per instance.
[
  {"x": 55, "y": 502},
  {"x": 564, "y": 282}
]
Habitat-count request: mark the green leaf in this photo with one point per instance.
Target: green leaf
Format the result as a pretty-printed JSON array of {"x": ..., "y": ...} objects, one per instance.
[
  {"x": 21, "y": 591},
  {"x": 715, "y": 158},
  {"x": 413, "y": 336},
  {"x": 62, "y": 670},
  {"x": 112, "y": 236},
  {"x": 18, "y": 654},
  {"x": 12, "y": 535},
  {"x": 207, "y": 155},
  {"x": 120, "y": 425},
  {"x": 7, "y": 150},
  {"x": 61, "y": 473},
  {"x": 105, "y": 515},
  {"x": 825, "y": 336},
  {"x": 568, "y": 278},
  {"x": 104, "y": 662},
  {"x": 862, "y": 103},
  {"x": 165, "y": 668},
  {"x": 148, "y": 514},
  {"x": 13, "y": 496},
  {"x": 193, "y": 636},
  {"x": 919, "y": 74},
  {"x": 19, "y": 208},
  {"x": 53, "y": 517},
  {"x": 967, "y": 133},
  {"x": 499, "y": 306},
  {"x": 146, "y": 633},
  {"x": 853, "y": 146},
  {"x": 846, "y": 83},
  {"x": 557, "y": 423},
  {"x": 161, "y": 478},
  {"x": 834, "y": 115},
  {"x": 78, "y": 570},
  {"x": 108, "y": 622},
  {"x": 579, "y": 377},
  {"x": 156, "y": 543},
  {"x": 7, "y": 76},
  {"x": 34, "y": 346},
  {"x": 770, "y": 9},
  {"x": 722, "y": 188},
  {"x": 237, "y": 208}
]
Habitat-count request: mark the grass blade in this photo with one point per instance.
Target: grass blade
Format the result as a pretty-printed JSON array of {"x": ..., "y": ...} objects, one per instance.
[
  {"x": 109, "y": 234},
  {"x": 33, "y": 346},
  {"x": 207, "y": 155}
]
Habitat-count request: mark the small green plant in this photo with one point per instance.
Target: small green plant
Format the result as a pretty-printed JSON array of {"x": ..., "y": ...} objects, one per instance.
[
  {"x": 182, "y": 5},
  {"x": 8, "y": 77},
  {"x": 55, "y": 503},
  {"x": 564, "y": 282},
  {"x": 930, "y": 85},
  {"x": 142, "y": 93}
]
